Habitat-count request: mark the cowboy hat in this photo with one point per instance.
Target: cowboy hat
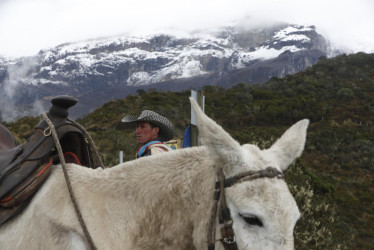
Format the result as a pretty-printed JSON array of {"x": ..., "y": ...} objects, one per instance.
[{"x": 166, "y": 127}]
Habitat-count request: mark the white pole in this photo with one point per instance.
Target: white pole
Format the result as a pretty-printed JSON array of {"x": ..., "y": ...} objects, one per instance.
[
  {"x": 120, "y": 157},
  {"x": 193, "y": 115}
]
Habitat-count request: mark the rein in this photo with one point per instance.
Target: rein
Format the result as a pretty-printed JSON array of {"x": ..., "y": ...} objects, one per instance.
[
  {"x": 67, "y": 179},
  {"x": 228, "y": 239}
]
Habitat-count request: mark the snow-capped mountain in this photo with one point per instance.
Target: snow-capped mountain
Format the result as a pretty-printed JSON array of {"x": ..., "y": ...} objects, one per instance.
[{"x": 114, "y": 67}]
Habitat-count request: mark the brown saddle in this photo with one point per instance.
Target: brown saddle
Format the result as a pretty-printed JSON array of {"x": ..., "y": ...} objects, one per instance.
[{"x": 24, "y": 168}]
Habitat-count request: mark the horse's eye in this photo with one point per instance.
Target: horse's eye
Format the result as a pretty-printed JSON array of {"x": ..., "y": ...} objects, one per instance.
[{"x": 252, "y": 220}]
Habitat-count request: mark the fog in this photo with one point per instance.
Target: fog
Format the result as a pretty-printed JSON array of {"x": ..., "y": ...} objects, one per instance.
[{"x": 29, "y": 26}]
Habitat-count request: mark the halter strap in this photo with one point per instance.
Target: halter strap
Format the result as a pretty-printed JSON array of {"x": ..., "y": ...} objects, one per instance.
[
  {"x": 269, "y": 172},
  {"x": 225, "y": 221}
]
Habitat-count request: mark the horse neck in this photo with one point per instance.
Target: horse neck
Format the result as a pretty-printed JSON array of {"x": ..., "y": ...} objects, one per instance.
[
  {"x": 182, "y": 176},
  {"x": 184, "y": 169},
  {"x": 176, "y": 181}
]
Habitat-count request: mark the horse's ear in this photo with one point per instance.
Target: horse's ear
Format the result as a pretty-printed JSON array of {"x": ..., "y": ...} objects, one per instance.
[
  {"x": 218, "y": 141},
  {"x": 290, "y": 145}
]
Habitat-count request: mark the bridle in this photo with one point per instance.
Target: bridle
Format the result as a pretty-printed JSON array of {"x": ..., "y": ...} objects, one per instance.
[{"x": 228, "y": 239}]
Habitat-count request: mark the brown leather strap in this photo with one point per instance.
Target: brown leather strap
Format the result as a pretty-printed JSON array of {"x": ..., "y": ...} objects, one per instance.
[
  {"x": 228, "y": 239},
  {"x": 269, "y": 172},
  {"x": 211, "y": 232}
]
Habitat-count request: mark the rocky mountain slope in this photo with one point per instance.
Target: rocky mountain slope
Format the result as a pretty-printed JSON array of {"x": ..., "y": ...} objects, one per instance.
[{"x": 110, "y": 68}]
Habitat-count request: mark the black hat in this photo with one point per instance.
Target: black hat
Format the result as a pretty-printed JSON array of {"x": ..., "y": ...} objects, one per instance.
[{"x": 166, "y": 127}]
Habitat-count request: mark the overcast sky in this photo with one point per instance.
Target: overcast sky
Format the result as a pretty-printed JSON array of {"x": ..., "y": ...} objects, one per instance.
[{"x": 26, "y": 26}]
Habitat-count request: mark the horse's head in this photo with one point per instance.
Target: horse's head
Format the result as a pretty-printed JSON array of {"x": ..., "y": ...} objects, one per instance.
[{"x": 263, "y": 210}]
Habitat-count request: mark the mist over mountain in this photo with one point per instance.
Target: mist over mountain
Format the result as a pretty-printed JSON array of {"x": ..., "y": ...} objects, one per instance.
[{"x": 97, "y": 71}]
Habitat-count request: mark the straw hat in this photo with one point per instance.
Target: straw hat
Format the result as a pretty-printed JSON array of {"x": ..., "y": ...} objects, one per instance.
[{"x": 166, "y": 127}]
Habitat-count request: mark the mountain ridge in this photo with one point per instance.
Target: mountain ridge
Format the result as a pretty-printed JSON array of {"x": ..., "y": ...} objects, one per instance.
[{"x": 120, "y": 66}]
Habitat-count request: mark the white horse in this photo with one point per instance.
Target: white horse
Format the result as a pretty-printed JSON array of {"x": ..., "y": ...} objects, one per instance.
[{"x": 164, "y": 201}]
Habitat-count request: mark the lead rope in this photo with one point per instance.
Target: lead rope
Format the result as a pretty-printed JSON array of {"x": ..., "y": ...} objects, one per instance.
[{"x": 68, "y": 183}]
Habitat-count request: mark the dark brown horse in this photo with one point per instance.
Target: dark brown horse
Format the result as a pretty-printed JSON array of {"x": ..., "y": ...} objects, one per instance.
[{"x": 7, "y": 140}]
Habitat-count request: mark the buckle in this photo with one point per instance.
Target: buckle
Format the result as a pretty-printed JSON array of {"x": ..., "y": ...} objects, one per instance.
[{"x": 229, "y": 240}]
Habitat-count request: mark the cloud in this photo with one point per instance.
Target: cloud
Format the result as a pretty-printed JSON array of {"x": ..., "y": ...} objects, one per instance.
[
  {"x": 13, "y": 86},
  {"x": 28, "y": 26}
]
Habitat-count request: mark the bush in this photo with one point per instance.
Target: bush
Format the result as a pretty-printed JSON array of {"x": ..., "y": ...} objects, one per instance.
[{"x": 345, "y": 94}]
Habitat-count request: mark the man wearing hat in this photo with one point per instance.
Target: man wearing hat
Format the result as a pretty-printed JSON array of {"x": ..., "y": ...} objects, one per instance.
[{"x": 152, "y": 131}]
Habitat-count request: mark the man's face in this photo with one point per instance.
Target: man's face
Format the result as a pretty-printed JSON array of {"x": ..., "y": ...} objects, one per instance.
[{"x": 145, "y": 132}]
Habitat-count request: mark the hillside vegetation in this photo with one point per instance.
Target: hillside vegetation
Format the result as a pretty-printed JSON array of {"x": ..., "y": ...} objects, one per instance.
[{"x": 333, "y": 180}]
